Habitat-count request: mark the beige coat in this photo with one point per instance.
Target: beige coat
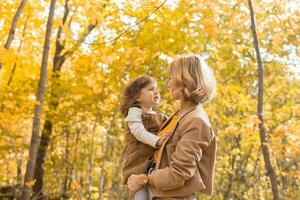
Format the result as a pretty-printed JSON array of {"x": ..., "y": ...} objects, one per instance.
[{"x": 186, "y": 161}]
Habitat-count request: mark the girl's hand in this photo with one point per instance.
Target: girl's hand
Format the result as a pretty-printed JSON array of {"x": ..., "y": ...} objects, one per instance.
[
  {"x": 162, "y": 139},
  {"x": 136, "y": 181}
]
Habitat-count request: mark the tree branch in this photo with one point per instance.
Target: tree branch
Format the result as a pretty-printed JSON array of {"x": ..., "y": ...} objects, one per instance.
[{"x": 124, "y": 32}]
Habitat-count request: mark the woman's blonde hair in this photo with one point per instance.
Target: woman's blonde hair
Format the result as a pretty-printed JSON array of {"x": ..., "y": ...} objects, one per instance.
[{"x": 195, "y": 77}]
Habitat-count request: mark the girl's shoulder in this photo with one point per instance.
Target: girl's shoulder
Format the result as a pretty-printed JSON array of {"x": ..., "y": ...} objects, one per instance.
[
  {"x": 156, "y": 115},
  {"x": 154, "y": 112},
  {"x": 162, "y": 115},
  {"x": 135, "y": 109},
  {"x": 134, "y": 114}
]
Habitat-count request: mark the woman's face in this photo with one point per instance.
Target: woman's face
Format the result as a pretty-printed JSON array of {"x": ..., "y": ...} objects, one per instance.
[{"x": 174, "y": 89}]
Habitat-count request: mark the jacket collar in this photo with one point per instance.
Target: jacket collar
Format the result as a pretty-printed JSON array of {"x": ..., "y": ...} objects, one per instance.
[{"x": 183, "y": 113}]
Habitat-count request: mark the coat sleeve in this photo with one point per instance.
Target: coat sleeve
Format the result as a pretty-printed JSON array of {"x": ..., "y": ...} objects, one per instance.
[{"x": 195, "y": 137}]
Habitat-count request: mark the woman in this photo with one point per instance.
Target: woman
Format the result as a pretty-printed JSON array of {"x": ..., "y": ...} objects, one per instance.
[{"x": 185, "y": 163}]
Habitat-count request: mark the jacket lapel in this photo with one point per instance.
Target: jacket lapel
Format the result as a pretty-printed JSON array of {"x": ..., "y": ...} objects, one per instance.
[
  {"x": 172, "y": 133},
  {"x": 166, "y": 122}
]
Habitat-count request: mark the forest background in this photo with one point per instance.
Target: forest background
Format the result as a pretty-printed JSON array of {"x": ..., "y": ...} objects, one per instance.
[{"x": 96, "y": 47}]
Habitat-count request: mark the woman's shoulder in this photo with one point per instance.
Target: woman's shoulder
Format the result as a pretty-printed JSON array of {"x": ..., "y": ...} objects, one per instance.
[
  {"x": 196, "y": 123},
  {"x": 198, "y": 116}
]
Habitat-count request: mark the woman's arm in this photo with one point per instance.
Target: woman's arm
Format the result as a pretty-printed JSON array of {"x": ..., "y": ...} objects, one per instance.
[
  {"x": 195, "y": 137},
  {"x": 137, "y": 128}
]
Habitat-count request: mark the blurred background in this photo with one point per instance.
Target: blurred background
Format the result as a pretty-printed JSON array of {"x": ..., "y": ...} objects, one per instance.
[{"x": 96, "y": 47}]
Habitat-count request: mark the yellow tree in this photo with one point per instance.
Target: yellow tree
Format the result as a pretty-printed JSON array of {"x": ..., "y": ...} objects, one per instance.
[{"x": 14, "y": 25}]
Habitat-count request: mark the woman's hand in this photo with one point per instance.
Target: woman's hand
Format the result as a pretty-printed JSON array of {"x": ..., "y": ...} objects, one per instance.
[
  {"x": 136, "y": 181},
  {"x": 162, "y": 139}
]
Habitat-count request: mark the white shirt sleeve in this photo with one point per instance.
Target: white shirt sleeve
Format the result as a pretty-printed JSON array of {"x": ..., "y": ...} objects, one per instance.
[{"x": 137, "y": 128}]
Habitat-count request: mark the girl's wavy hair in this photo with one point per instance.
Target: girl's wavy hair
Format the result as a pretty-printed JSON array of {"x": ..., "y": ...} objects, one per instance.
[
  {"x": 195, "y": 77},
  {"x": 131, "y": 92}
]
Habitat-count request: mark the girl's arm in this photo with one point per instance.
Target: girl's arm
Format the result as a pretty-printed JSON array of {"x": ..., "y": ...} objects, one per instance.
[{"x": 137, "y": 128}]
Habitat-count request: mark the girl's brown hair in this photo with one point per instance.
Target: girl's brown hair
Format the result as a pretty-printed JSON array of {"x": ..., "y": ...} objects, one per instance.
[
  {"x": 131, "y": 92},
  {"x": 195, "y": 77}
]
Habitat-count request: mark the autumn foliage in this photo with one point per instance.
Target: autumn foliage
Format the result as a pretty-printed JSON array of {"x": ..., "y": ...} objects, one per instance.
[{"x": 98, "y": 46}]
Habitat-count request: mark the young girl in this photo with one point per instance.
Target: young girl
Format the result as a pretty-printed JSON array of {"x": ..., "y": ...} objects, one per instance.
[{"x": 139, "y": 101}]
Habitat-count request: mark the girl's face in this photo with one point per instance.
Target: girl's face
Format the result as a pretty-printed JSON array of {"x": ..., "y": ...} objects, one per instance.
[
  {"x": 174, "y": 89},
  {"x": 149, "y": 96}
]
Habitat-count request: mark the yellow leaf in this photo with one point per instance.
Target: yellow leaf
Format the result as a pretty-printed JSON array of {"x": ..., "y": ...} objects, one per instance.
[
  {"x": 75, "y": 185},
  {"x": 31, "y": 183},
  {"x": 209, "y": 26}
]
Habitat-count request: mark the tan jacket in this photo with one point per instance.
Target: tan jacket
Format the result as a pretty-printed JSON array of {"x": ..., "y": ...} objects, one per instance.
[
  {"x": 137, "y": 155},
  {"x": 186, "y": 162}
]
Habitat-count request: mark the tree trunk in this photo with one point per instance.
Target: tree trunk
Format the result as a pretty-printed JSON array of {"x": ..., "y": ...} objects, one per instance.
[
  {"x": 230, "y": 178},
  {"x": 115, "y": 188},
  {"x": 106, "y": 154},
  {"x": 29, "y": 175},
  {"x": 47, "y": 129},
  {"x": 73, "y": 171},
  {"x": 108, "y": 144},
  {"x": 19, "y": 49},
  {"x": 90, "y": 160},
  {"x": 67, "y": 172},
  {"x": 14, "y": 25},
  {"x": 264, "y": 147},
  {"x": 58, "y": 61},
  {"x": 39, "y": 168},
  {"x": 18, "y": 162}
]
